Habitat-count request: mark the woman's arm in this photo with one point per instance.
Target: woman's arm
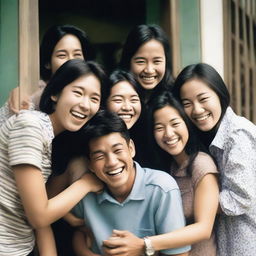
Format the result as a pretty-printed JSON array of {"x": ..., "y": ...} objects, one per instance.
[
  {"x": 40, "y": 211},
  {"x": 238, "y": 165},
  {"x": 82, "y": 241},
  {"x": 204, "y": 213},
  {"x": 45, "y": 242}
]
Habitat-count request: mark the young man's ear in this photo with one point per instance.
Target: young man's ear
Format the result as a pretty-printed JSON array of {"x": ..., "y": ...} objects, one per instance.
[{"x": 132, "y": 149}]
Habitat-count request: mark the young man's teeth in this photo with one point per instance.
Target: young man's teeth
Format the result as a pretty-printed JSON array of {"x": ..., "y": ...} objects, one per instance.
[
  {"x": 77, "y": 114},
  {"x": 114, "y": 172}
]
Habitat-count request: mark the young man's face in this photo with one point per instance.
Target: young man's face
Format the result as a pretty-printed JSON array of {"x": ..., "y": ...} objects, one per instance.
[{"x": 111, "y": 159}]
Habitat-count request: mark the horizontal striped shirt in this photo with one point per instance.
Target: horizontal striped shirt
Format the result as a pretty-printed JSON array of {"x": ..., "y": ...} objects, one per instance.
[{"x": 24, "y": 139}]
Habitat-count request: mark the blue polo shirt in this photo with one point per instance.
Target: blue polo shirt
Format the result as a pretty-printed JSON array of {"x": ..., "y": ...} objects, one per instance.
[{"x": 153, "y": 207}]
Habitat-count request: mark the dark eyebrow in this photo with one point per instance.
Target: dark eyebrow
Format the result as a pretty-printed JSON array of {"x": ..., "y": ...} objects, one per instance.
[
  {"x": 137, "y": 58},
  {"x": 63, "y": 50},
  {"x": 82, "y": 88},
  {"x": 173, "y": 119},
  {"x": 95, "y": 153},
  {"x": 117, "y": 144},
  {"x": 199, "y": 95}
]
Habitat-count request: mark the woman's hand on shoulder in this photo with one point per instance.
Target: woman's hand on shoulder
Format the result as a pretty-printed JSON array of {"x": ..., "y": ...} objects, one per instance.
[{"x": 93, "y": 182}]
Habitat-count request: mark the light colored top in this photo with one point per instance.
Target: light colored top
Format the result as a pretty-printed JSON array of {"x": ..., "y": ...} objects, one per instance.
[
  {"x": 202, "y": 165},
  {"x": 153, "y": 207},
  {"x": 6, "y": 113},
  {"x": 24, "y": 139},
  {"x": 234, "y": 148}
]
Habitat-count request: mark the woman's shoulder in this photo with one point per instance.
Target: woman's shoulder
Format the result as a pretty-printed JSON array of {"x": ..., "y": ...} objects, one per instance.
[
  {"x": 237, "y": 123},
  {"x": 202, "y": 165}
]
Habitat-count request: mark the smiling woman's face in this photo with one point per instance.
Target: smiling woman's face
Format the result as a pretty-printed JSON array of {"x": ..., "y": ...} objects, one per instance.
[
  {"x": 201, "y": 104},
  {"x": 148, "y": 64},
  {"x": 125, "y": 101}
]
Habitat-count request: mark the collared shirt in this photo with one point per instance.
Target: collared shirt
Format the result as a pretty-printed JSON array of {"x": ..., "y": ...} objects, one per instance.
[
  {"x": 234, "y": 148},
  {"x": 153, "y": 207},
  {"x": 24, "y": 139}
]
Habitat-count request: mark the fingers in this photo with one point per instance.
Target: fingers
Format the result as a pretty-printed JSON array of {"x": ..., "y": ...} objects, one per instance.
[
  {"x": 120, "y": 233},
  {"x": 18, "y": 101}
]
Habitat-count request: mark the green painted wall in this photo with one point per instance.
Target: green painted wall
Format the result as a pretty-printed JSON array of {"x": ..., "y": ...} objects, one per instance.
[
  {"x": 8, "y": 47},
  {"x": 189, "y": 32},
  {"x": 152, "y": 12}
]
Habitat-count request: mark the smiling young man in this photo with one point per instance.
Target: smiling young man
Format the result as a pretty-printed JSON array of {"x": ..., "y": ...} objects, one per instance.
[{"x": 137, "y": 202}]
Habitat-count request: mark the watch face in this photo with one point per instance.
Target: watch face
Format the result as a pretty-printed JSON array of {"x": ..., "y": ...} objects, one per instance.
[{"x": 150, "y": 251}]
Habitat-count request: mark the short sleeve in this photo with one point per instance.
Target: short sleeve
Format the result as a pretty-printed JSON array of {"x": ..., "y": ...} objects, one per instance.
[
  {"x": 203, "y": 164},
  {"x": 170, "y": 217},
  {"x": 78, "y": 210},
  {"x": 5, "y": 113},
  {"x": 26, "y": 141}
]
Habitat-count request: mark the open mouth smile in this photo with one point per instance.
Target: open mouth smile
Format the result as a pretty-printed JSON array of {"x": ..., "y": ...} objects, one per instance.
[
  {"x": 78, "y": 115},
  {"x": 148, "y": 78},
  {"x": 172, "y": 142},
  {"x": 126, "y": 116},
  {"x": 202, "y": 118},
  {"x": 115, "y": 172}
]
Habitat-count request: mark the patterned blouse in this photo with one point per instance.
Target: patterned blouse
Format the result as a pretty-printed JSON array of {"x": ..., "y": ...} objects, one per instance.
[{"x": 234, "y": 149}]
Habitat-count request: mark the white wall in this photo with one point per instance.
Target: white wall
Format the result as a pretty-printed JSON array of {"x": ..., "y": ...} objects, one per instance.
[{"x": 212, "y": 44}]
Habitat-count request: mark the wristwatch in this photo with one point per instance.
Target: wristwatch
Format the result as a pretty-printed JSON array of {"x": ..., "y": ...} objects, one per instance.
[{"x": 149, "y": 249}]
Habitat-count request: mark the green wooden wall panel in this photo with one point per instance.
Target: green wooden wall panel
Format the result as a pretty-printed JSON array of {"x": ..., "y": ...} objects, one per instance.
[
  {"x": 189, "y": 32},
  {"x": 9, "y": 52}
]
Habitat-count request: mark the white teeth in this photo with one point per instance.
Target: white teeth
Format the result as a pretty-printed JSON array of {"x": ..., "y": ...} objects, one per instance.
[
  {"x": 201, "y": 118},
  {"x": 123, "y": 116},
  {"x": 115, "y": 172},
  {"x": 77, "y": 114},
  {"x": 148, "y": 78},
  {"x": 172, "y": 142}
]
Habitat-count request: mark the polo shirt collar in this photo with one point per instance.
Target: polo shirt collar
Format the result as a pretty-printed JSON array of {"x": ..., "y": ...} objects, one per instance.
[{"x": 137, "y": 193}]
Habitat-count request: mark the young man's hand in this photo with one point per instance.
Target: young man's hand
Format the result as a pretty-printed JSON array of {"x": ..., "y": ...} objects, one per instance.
[{"x": 123, "y": 243}]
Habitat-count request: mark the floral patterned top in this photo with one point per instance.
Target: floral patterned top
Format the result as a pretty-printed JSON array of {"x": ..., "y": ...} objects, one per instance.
[{"x": 234, "y": 149}]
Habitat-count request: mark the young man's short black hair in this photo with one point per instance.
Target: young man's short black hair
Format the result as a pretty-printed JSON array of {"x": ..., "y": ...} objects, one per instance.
[{"x": 103, "y": 123}]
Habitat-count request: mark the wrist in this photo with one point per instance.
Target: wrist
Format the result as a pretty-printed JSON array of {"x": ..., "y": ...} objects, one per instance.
[{"x": 149, "y": 249}]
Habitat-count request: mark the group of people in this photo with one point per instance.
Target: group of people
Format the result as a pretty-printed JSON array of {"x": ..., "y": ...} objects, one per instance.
[{"x": 135, "y": 161}]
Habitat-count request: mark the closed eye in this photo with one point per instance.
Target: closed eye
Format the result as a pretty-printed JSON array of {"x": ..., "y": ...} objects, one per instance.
[
  {"x": 95, "y": 99},
  {"x": 186, "y": 104},
  {"x": 204, "y": 99},
  {"x": 158, "y": 128},
  {"x": 97, "y": 157},
  {"x": 78, "y": 92}
]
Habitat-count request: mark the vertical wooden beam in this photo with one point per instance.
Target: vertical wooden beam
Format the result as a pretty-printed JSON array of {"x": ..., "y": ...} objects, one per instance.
[
  {"x": 246, "y": 61},
  {"x": 227, "y": 45},
  {"x": 175, "y": 36},
  {"x": 252, "y": 20},
  {"x": 28, "y": 45},
  {"x": 237, "y": 60}
]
